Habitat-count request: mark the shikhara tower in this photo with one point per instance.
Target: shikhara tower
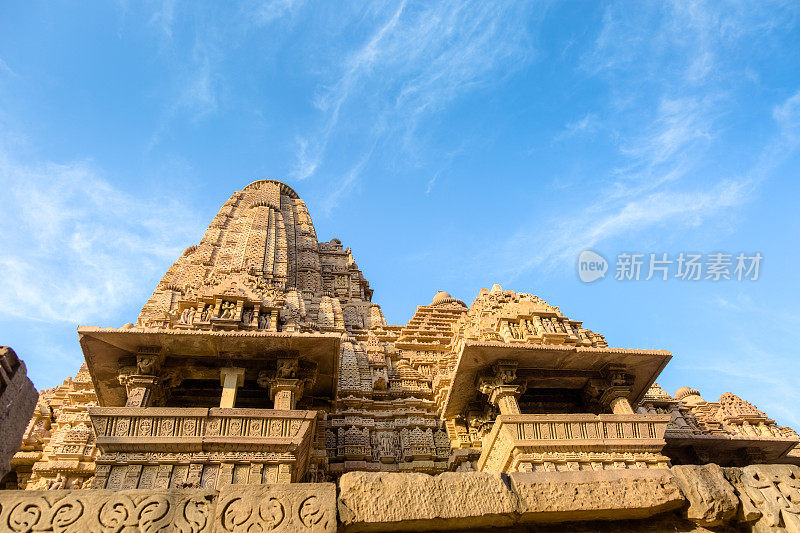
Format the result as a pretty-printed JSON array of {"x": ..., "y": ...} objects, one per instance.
[{"x": 261, "y": 358}]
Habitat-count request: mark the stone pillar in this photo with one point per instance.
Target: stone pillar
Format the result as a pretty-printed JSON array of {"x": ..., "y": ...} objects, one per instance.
[
  {"x": 499, "y": 389},
  {"x": 285, "y": 393},
  {"x": 505, "y": 398},
  {"x": 144, "y": 387},
  {"x": 621, "y": 406},
  {"x": 231, "y": 379},
  {"x": 143, "y": 391},
  {"x": 284, "y": 473},
  {"x": 287, "y": 383},
  {"x": 612, "y": 390}
]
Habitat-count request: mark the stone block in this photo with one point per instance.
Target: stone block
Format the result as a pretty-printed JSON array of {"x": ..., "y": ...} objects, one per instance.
[
  {"x": 18, "y": 398},
  {"x": 395, "y": 501},
  {"x": 769, "y": 495},
  {"x": 595, "y": 495},
  {"x": 80, "y": 511},
  {"x": 278, "y": 507},
  {"x": 712, "y": 500}
]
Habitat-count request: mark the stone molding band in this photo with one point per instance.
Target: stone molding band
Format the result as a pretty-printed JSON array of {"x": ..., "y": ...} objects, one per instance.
[{"x": 680, "y": 498}]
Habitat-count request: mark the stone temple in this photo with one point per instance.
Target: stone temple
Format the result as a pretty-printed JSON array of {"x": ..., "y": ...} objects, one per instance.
[{"x": 261, "y": 388}]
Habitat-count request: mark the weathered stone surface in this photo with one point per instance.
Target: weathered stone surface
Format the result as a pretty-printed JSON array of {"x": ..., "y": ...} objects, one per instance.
[
  {"x": 665, "y": 523},
  {"x": 81, "y": 511},
  {"x": 606, "y": 500},
  {"x": 471, "y": 500},
  {"x": 712, "y": 500},
  {"x": 392, "y": 501},
  {"x": 769, "y": 496},
  {"x": 307, "y": 507},
  {"x": 595, "y": 495},
  {"x": 18, "y": 399}
]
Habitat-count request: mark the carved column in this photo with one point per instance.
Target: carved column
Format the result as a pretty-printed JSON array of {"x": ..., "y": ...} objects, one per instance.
[
  {"x": 143, "y": 386},
  {"x": 231, "y": 379},
  {"x": 285, "y": 393},
  {"x": 286, "y": 385},
  {"x": 612, "y": 390},
  {"x": 143, "y": 391},
  {"x": 499, "y": 389},
  {"x": 505, "y": 398},
  {"x": 621, "y": 406}
]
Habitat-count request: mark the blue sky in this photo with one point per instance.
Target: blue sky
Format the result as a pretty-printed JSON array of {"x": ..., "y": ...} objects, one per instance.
[{"x": 452, "y": 145}]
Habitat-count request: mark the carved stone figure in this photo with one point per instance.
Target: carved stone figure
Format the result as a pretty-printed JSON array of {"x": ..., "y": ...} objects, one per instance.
[{"x": 287, "y": 368}]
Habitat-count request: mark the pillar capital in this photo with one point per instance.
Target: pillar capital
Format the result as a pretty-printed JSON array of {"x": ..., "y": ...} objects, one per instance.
[
  {"x": 287, "y": 383},
  {"x": 504, "y": 397},
  {"x": 611, "y": 390},
  {"x": 498, "y": 386},
  {"x": 142, "y": 390}
]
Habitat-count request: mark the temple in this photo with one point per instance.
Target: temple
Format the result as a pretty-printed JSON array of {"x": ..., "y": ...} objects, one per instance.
[{"x": 261, "y": 359}]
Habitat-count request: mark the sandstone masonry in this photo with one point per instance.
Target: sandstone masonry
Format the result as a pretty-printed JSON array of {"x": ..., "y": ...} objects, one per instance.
[
  {"x": 17, "y": 400},
  {"x": 753, "y": 498},
  {"x": 261, "y": 378}
]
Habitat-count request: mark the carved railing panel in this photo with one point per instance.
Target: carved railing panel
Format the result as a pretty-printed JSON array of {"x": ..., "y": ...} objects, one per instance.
[
  {"x": 574, "y": 442},
  {"x": 188, "y": 429},
  {"x": 200, "y": 447}
]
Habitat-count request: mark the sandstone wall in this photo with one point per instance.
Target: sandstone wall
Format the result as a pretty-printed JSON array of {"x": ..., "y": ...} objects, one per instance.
[
  {"x": 17, "y": 401},
  {"x": 685, "y": 498}
]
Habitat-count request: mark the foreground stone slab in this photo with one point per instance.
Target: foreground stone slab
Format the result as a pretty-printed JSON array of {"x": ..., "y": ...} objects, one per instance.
[
  {"x": 595, "y": 495},
  {"x": 371, "y": 501},
  {"x": 712, "y": 500},
  {"x": 81, "y": 511},
  {"x": 401, "y": 502},
  {"x": 307, "y": 507}
]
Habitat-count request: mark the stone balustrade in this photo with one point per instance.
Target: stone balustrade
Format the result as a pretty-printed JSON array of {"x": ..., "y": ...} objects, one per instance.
[
  {"x": 192, "y": 429},
  {"x": 529, "y": 442},
  {"x": 200, "y": 447}
]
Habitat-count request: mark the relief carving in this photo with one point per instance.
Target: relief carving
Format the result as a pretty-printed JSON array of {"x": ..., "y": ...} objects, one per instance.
[
  {"x": 81, "y": 511},
  {"x": 294, "y": 507}
]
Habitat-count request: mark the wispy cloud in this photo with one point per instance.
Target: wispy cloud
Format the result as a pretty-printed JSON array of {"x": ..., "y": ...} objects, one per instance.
[
  {"x": 587, "y": 125},
  {"x": 415, "y": 61},
  {"x": 259, "y": 13},
  {"x": 5, "y": 69},
  {"x": 198, "y": 84},
  {"x": 787, "y": 115},
  {"x": 163, "y": 18},
  {"x": 343, "y": 186},
  {"x": 79, "y": 248},
  {"x": 561, "y": 243},
  {"x": 668, "y": 92}
]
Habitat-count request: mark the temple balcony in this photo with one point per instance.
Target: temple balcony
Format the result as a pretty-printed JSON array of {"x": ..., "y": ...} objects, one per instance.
[
  {"x": 277, "y": 443},
  {"x": 524, "y": 407},
  {"x": 528, "y": 442}
]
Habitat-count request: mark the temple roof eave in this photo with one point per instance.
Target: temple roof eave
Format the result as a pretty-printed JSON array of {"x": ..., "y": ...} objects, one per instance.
[
  {"x": 477, "y": 356},
  {"x": 102, "y": 348}
]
